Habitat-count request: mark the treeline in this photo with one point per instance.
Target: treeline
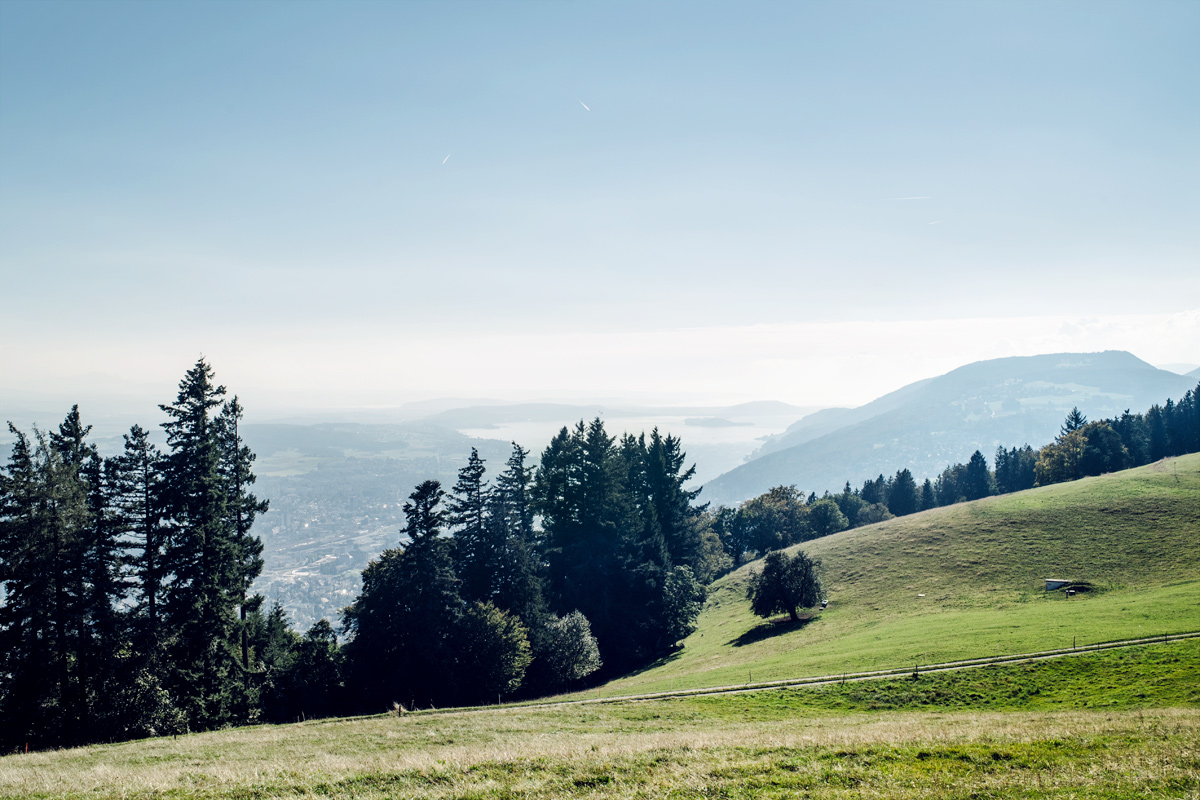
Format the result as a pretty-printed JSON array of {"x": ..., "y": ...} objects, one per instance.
[
  {"x": 610, "y": 577},
  {"x": 783, "y": 516},
  {"x": 124, "y": 582}
]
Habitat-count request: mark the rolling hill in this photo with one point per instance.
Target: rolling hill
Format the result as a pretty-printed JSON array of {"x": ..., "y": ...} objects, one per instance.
[
  {"x": 966, "y": 581},
  {"x": 926, "y": 425}
]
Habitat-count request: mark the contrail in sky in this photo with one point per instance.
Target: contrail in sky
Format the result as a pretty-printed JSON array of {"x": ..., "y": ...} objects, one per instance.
[
  {"x": 447, "y": 158},
  {"x": 583, "y": 104},
  {"x": 918, "y": 197}
]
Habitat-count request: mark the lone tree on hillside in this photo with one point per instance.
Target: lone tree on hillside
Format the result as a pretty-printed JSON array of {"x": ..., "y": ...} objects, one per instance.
[{"x": 785, "y": 584}]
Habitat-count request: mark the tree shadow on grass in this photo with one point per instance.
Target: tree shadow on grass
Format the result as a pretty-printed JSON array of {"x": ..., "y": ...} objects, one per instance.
[
  {"x": 770, "y": 628},
  {"x": 675, "y": 653}
]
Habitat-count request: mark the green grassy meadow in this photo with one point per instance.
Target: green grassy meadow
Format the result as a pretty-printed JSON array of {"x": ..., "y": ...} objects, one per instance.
[
  {"x": 981, "y": 567},
  {"x": 1112, "y": 724}
]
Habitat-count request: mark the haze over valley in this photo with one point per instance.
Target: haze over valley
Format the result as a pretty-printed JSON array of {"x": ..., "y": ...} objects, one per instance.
[{"x": 337, "y": 488}]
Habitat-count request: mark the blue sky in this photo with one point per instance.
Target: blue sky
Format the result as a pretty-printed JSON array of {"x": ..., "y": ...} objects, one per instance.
[{"x": 267, "y": 183}]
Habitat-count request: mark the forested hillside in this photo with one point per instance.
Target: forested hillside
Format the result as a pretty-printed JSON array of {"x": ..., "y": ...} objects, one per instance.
[
  {"x": 929, "y": 424},
  {"x": 784, "y": 516}
]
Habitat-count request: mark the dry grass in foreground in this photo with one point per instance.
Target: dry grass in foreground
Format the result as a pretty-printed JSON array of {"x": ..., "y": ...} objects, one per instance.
[{"x": 642, "y": 750}]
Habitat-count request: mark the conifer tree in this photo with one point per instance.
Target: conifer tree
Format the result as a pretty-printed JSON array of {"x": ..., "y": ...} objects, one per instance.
[
  {"x": 242, "y": 507},
  {"x": 928, "y": 496},
  {"x": 978, "y": 478},
  {"x": 949, "y": 485},
  {"x": 674, "y": 508},
  {"x": 515, "y": 486},
  {"x": 875, "y": 491},
  {"x": 1185, "y": 424},
  {"x": 580, "y": 488},
  {"x": 1132, "y": 429},
  {"x": 44, "y": 620},
  {"x": 903, "y": 496},
  {"x": 1015, "y": 469},
  {"x": 648, "y": 540},
  {"x": 210, "y": 560},
  {"x": 850, "y": 503},
  {"x": 605, "y": 551},
  {"x": 404, "y": 623},
  {"x": 1074, "y": 421},
  {"x": 137, "y": 487},
  {"x": 478, "y": 546},
  {"x": 30, "y": 627},
  {"x": 276, "y": 646},
  {"x": 518, "y": 583},
  {"x": 1158, "y": 445}
]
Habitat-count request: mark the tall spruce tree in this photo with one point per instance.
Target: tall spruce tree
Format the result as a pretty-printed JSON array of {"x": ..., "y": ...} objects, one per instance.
[
  {"x": 1159, "y": 442},
  {"x": 478, "y": 545},
  {"x": 649, "y": 541},
  {"x": 928, "y": 495},
  {"x": 101, "y": 586},
  {"x": 210, "y": 560},
  {"x": 242, "y": 507},
  {"x": 977, "y": 479},
  {"x": 518, "y": 583},
  {"x": 678, "y": 518},
  {"x": 137, "y": 506},
  {"x": 903, "y": 496},
  {"x": 1074, "y": 421},
  {"x": 90, "y": 567},
  {"x": 581, "y": 497}
]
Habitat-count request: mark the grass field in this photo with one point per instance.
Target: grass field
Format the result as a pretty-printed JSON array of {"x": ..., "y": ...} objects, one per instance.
[
  {"x": 1120, "y": 723},
  {"x": 981, "y": 568}
]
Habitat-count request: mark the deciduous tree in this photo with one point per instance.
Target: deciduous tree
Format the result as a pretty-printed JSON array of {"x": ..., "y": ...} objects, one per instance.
[{"x": 785, "y": 583}]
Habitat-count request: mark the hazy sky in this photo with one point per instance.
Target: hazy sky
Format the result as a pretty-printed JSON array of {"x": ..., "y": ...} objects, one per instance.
[{"x": 371, "y": 203}]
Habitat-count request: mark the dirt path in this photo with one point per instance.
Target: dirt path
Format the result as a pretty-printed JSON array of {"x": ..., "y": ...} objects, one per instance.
[{"x": 826, "y": 680}]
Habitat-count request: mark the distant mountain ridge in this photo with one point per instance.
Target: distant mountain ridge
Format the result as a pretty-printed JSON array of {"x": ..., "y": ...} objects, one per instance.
[
  {"x": 481, "y": 416},
  {"x": 934, "y": 422}
]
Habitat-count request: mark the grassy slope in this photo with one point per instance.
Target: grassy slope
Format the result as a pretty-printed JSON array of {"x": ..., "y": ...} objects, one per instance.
[
  {"x": 1093, "y": 725},
  {"x": 981, "y": 566}
]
